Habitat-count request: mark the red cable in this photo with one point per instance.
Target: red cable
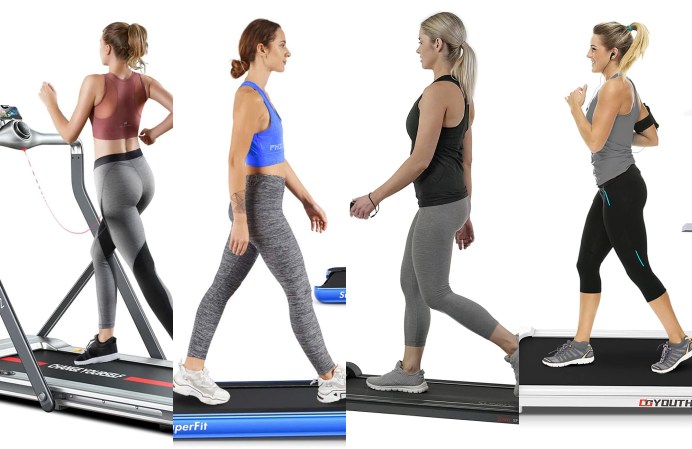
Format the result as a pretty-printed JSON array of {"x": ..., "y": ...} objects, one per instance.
[{"x": 24, "y": 150}]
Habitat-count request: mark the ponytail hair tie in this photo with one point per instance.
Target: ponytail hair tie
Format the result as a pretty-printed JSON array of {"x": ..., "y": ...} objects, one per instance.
[{"x": 629, "y": 27}]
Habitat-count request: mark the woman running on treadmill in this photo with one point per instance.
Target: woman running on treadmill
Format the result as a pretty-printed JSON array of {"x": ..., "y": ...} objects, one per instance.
[
  {"x": 258, "y": 176},
  {"x": 124, "y": 182},
  {"x": 439, "y": 167},
  {"x": 615, "y": 120}
]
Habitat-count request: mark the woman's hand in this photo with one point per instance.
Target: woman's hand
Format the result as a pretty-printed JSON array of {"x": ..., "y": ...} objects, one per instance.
[
  {"x": 576, "y": 98},
  {"x": 465, "y": 235},
  {"x": 240, "y": 238},
  {"x": 148, "y": 136},
  {"x": 362, "y": 207},
  {"x": 318, "y": 219},
  {"x": 48, "y": 95}
]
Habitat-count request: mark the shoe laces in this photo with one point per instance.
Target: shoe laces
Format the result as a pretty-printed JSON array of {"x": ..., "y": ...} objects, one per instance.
[
  {"x": 565, "y": 346},
  {"x": 666, "y": 351}
]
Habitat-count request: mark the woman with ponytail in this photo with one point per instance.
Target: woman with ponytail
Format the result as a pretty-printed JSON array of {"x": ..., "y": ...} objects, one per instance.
[
  {"x": 258, "y": 175},
  {"x": 439, "y": 166},
  {"x": 124, "y": 182},
  {"x": 615, "y": 120}
]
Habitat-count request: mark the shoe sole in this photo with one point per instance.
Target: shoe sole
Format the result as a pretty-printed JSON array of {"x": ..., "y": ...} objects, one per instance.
[
  {"x": 422, "y": 388},
  {"x": 186, "y": 390},
  {"x": 680, "y": 360},
  {"x": 332, "y": 397},
  {"x": 101, "y": 359},
  {"x": 584, "y": 361}
]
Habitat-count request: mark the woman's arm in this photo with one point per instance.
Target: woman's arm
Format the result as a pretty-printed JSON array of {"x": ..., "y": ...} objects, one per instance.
[
  {"x": 247, "y": 113},
  {"x": 70, "y": 129},
  {"x": 596, "y": 133},
  {"x": 648, "y": 137},
  {"x": 318, "y": 219},
  {"x": 431, "y": 116},
  {"x": 165, "y": 99}
]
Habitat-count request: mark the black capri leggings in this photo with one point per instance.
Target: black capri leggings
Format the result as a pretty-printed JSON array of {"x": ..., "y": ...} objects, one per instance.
[{"x": 616, "y": 220}]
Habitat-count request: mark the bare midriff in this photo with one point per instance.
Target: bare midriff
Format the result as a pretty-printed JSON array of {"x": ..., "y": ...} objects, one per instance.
[
  {"x": 274, "y": 170},
  {"x": 107, "y": 147}
]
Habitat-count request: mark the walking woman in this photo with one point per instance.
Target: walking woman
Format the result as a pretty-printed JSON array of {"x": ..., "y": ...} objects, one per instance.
[
  {"x": 439, "y": 167},
  {"x": 124, "y": 182},
  {"x": 615, "y": 120},
  {"x": 258, "y": 176}
]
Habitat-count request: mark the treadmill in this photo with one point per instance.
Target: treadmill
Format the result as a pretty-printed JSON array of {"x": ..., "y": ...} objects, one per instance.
[
  {"x": 39, "y": 367},
  {"x": 474, "y": 401},
  {"x": 333, "y": 291},
  {"x": 260, "y": 410},
  {"x": 620, "y": 377}
]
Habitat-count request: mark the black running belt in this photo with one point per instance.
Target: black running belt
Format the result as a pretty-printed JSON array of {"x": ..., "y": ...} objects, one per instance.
[
  {"x": 444, "y": 399},
  {"x": 260, "y": 397},
  {"x": 130, "y": 376},
  {"x": 624, "y": 362},
  {"x": 336, "y": 279}
]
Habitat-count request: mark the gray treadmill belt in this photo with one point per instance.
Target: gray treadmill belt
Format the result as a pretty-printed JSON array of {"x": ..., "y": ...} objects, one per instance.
[
  {"x": 444, "y": 399},
  {"x": 130, "y": 376},
  {"x": 619, "y": 362},
  {"x": 260, "y": 397}
]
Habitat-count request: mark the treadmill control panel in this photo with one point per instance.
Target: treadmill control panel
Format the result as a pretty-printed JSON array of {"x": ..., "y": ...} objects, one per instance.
[{"x": 9, "y": 113}]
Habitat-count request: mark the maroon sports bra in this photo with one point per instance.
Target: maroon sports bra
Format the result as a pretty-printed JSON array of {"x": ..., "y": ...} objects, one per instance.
[{"x": 117, "y": 115}]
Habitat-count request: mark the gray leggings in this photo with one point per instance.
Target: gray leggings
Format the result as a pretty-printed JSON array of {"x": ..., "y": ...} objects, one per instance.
[
  {"x": 425, "y": 274},
  {"x": 125, "y": 187},
  {"x": 270, "y": 236}
]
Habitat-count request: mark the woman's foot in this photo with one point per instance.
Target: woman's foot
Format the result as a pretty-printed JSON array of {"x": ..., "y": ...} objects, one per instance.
[
  {"x": 514, "y": 361},
  {"x": 399, "y": 380},
  {"x": 571, "y": 353},
  {"x": 334, "y": 389},
  {"x": 200, "y": 385},
  {"x": 673, "y": 355},
  {"x": 97, "y": 352}
]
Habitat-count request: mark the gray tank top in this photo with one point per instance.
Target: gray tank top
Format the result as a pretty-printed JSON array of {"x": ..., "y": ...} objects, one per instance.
[{"x": 616, "y": 156}]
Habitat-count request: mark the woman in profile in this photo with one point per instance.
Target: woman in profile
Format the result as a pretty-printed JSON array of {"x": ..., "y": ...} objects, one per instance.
[{"x": 258, "y": 176}]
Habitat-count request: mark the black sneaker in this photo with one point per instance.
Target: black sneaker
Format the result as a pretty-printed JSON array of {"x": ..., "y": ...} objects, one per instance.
[{"x": 97, "y": 352}]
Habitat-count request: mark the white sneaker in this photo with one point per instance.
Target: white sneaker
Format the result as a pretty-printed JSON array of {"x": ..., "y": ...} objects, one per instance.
[
  {"x": 334, "y": 389},
  {"x": 199, "y": 385}
]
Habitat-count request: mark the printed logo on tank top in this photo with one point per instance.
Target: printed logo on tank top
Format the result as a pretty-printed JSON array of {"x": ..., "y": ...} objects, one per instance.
[{"x": 276, "y": 147}]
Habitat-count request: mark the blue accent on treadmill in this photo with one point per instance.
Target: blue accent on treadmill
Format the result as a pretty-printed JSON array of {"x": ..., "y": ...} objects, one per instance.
[
  {"x": 259, "y": 425},
  {"x": 606, "y": 195},
  {"x": 330, "y": 295},
  {"x": 640, "y": 259}
]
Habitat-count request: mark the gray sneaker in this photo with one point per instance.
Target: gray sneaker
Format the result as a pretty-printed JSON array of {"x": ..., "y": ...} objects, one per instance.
[
  {"x": 514, "y": 361},
  {"x": 673, "y": 355},
  {"x": 571, "y": 353},
  {"x": 199, "y": 385},
  {"x": 399, "y": 380}
]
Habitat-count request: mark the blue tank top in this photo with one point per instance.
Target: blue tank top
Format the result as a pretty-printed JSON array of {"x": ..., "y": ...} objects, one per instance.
[{"x": 267, "y": 147}]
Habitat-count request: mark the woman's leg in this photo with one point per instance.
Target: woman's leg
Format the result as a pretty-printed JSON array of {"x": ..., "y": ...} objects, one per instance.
[
  {"x": 272, "y": 235},
  {"x": 432, "y": 245},
  {"x": 231, "y": 273},
  {"x": 595, "y": 246},
  {"x": 417, "y": 312}
]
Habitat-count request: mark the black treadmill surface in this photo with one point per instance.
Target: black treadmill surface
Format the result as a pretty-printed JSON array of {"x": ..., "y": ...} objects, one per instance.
[
  {"x": 260, "y": 397},
  {"x": 130, "y": 376},
  {"x": 337, "y": 279},
  {"x": 444, "y": 394},
  {"x": 624, "y": 362}
]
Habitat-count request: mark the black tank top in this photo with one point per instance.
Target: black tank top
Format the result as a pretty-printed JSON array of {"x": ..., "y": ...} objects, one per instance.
[{"x": 443, "y": 181}]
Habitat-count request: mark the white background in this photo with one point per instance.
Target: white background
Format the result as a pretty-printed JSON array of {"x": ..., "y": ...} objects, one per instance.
[{"x": 344, "y": 98}]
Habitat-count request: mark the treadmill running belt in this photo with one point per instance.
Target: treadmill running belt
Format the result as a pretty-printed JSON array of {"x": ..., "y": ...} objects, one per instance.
[
  {"x": 119, "y": 374},
  {"x": 252, "y": 397},
  {"x": 260, "y": 409},
  {"x": 619, "y": 362},
  {"x": 444, "y": 399}
]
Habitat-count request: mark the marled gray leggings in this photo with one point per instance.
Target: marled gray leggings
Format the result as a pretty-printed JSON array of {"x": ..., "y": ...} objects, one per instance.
[
  {"x": 270, "y": 236},
  {"x": 425, "y": 274},
  {"x": 125, "y": 187}
]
